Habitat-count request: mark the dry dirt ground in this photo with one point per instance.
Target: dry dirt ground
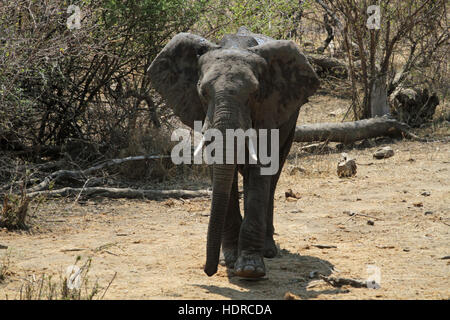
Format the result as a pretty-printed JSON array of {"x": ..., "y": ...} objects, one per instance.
[{"x": 157, "y": 248}]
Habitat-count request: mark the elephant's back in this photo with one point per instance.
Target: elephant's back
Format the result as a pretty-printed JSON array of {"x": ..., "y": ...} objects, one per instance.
[
  {"x": 236, "y": 41},
  {"x": 259, "y": 38},
  {"x": 244, "y": 39}
]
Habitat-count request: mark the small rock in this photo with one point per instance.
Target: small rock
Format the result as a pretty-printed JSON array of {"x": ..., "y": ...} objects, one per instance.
[
  {"x": 418, "y": 204},
  {"x": 290, "y": 194},
  {"x": 3, "y": 247},
  {"x": 370, "y": 222},
  {"x": 290, "y": 296},
  {"x": 383, "y": 153},
  {"x": 406, "y": 249},
  {"x": 336, "y": 112},
  {"x": 428, "y": 213},
  {"x": 445, "y": 258},
  {"x": 425, "y": 194},
  {"x": 346, "y": 167}
]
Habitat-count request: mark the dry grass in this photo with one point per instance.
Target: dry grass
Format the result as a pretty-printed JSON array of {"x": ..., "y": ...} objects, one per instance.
[
  {"x": 14, "y": 212},
  {"x": 4, "y": 267},
  {"x": 65, "y": 287}
]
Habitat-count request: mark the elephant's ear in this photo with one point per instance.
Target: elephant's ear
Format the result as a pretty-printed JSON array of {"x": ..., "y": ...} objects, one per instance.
[
  {"x": 174, "y": 74},
  {"x": 285, "y": 84}
]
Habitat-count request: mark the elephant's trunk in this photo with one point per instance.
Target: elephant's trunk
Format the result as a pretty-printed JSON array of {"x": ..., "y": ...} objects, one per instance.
[{"x": 223, "y": 175}]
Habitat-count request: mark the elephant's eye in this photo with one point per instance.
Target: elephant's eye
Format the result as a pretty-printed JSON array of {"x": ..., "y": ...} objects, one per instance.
[{"x": 203, "y": 92}]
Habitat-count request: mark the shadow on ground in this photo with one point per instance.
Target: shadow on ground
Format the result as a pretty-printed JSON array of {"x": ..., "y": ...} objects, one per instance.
[{"x": 288, "y": 272}]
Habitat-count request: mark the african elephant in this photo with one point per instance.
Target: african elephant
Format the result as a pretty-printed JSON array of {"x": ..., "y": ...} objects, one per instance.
[{"x": 246, "y": 81}]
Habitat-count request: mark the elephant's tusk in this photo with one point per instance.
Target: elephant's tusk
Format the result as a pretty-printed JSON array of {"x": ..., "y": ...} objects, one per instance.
[
  {"x": 251, "y": 149},
  {"x": 199, "y": 147}
]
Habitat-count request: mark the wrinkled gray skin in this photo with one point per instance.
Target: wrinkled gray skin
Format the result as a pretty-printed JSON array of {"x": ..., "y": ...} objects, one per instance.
[{"x": 247, "y": 81}]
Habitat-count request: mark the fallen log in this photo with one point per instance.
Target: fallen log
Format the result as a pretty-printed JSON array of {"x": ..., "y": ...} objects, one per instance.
[
  {"x": 121, "y": 193},
  {"x": 349, "y": 132},
  {"x": 324, "y": 66},
  {"x": 81, "y": 174}
]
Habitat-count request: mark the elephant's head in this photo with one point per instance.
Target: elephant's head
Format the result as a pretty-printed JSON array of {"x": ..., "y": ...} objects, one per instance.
[{"x": 231, "y": 87}]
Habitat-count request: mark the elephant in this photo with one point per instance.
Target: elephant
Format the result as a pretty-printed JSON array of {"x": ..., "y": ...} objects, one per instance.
[{"x": 246, "y": 81}]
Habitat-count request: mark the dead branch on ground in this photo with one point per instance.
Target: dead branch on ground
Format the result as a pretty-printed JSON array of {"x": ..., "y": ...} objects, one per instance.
[
  {"x": 78, "y": 174},
  {"x": 121, "y": 193},
  {"x": 348, "y": 132}
]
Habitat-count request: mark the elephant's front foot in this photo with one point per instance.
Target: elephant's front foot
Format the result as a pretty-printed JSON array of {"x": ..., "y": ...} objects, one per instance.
[
  {"x": 230, "y": 256},
  {"x": 270, "y": 248},
  {"x": 250, "y": 265}
]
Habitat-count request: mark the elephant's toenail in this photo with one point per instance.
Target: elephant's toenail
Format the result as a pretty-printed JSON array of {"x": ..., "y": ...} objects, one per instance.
[{"x": 249, "y": 268}]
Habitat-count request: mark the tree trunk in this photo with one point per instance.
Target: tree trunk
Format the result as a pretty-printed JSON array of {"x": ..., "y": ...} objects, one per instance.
[
  {"x": 348, "y": 132},
  {"x": 330, "y": 32},
  {"x": 378, "y": 97}
]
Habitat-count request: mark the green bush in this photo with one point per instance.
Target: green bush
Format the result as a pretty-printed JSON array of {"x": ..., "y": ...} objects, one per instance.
[
  {"x": 275, "y": 18},
  {"x": 88, "y": 84}
]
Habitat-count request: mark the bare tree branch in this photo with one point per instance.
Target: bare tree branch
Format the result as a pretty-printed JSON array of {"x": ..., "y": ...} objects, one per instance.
[{"x": 121, "y": 193}]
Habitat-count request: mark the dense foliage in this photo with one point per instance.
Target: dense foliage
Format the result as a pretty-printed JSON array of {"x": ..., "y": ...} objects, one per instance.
[
  {"x": 61, "y": 88},
  {"x": 88, "y": 84}
]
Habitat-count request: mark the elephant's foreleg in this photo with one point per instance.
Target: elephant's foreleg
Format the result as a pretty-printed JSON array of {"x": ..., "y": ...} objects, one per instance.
[{"x": 250, "y": 262}]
